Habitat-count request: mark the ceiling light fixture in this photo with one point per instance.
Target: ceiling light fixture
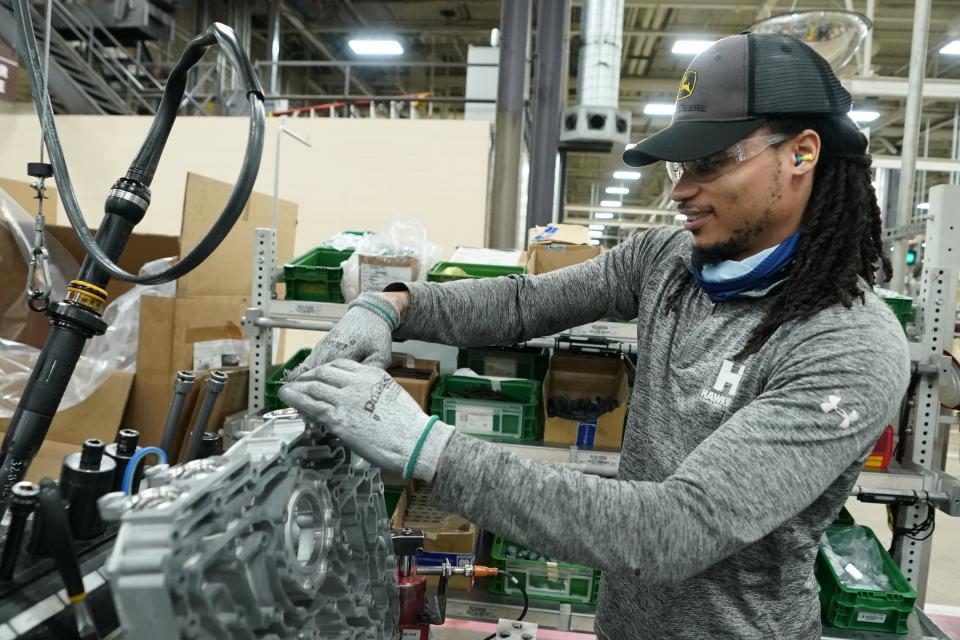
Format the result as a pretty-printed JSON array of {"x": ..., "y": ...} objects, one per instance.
[
  {"x": 952, "y": 48},
  {"x": 626, "y": 175},
  {"x": 597, "y": 227},
  {"x": 602, "y": 215},
  {"x": 864, "y": 116},
  {"x": 611, "y": 203},
  {"x": 659, "y": 108},
  {"x": 690, "y": 47},
  {"x": 617, "y": 191},
  {"x": 923, "y": 206},
  {"x": 378, "y": 47}
]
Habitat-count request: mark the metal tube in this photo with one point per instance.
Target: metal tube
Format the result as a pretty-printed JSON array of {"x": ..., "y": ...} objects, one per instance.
[
  {"x": 215, "y": 384},
  {"x": 274, "y": 47},
  {"x": 911, "y": 133},
  {"x": 181, "y": 387},
  {"x": 868, "y": 43},
  {"x": 542, "y": 206},
  {"x": 502, "y": 230}
]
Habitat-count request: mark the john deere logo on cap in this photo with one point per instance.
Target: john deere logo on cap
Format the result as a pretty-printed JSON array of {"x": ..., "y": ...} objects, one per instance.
[{"x": 687, "y": 83}]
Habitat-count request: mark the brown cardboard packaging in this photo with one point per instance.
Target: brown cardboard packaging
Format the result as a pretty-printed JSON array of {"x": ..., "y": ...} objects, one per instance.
[
  {"x": 209, "y": 305},
  {"x": 558, "y": 246},
  {"x": 443, "y": 533},
  {"x": 376, "y": 272},
  {"x": 418, "y": 389},
  {"x": 544, "y": 258},
  {"x": 582, "y": 376}
]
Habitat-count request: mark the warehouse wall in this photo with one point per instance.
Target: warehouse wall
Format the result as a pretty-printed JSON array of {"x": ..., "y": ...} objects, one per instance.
[{"x": 357, "y": 173}]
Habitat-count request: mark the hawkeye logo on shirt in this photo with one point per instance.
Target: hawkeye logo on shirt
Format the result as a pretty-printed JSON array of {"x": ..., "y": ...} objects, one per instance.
[{"x": 728, "y": 381}]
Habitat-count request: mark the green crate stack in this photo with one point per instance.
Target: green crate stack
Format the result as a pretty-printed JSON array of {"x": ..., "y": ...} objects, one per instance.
[
  {"x": 530, "y": 363},
  {"x": 901, "y": 305},
  {"x": 518, "y": 420},
  {"x": 275, "y": 380},
  {"x": 865, "y": 609},
  {"x": 543, "y": 580},
  {"x": 470, "y": 271},
  {"x": 315, "y": 276}
]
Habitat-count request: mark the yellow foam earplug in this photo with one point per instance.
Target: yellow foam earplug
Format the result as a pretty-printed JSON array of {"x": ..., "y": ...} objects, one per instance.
[{"x": 807, "y": 157}]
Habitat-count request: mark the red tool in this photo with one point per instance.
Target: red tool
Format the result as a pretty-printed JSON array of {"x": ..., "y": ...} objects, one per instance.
[{"x": 418, "y": 611}]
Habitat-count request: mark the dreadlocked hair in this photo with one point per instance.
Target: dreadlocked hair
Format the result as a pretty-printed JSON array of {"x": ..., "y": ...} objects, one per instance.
[{"x": 840, "y": 237}]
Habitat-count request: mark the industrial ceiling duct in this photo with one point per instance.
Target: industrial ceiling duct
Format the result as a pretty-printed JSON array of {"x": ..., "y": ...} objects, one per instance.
[
  {"x": 595, "y": 122},
  {"x": 835, "y": 35}
]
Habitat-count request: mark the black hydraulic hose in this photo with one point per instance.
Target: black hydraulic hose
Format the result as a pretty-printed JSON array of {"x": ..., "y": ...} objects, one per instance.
[
  {"x": 142, "y": 169},
  {"x": 78, "y": 317}
]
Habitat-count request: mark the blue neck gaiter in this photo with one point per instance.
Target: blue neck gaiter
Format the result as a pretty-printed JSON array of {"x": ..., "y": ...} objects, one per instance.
[{"x": 720, "y": 284}]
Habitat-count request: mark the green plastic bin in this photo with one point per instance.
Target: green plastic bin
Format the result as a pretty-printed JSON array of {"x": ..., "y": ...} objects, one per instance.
[
  {"x": 844, "y": 518},
  {"x": 865, "y": 609},
  {"x": 316, "y": 275},
  {"x": 391, "y": 495},
  {"x": 507, "y": 362},
  {"x": 543, "y": 580},
  {"x": 901, "y": 305},
  {"x": 517, "y": 421},
  {"x": 275, "y": 381},
  {"x": 471, "y": 270}
]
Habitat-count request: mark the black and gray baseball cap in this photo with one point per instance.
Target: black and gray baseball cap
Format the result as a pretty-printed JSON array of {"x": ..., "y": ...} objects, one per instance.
[{"x": 730, "y": 88}]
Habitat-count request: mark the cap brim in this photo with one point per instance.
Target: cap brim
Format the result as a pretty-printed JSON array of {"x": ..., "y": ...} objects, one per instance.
[{"x": 689, "y": 141}]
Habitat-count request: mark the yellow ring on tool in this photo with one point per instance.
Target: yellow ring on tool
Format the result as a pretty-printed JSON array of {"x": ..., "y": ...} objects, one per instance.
[
  {"x": 103, "y": 292},
  {"x": 87, "y": 294},
  {"x": 80, "y": 597}
]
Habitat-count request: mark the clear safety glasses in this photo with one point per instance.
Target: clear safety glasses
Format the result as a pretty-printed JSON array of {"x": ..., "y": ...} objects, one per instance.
[{"x": 717, "y": 164}]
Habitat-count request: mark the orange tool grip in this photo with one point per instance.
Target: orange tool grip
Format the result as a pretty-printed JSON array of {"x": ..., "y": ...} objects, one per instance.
[{"x": 485, "y": 572}]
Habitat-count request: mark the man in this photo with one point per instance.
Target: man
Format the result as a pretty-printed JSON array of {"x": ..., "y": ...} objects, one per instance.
[{"x": 767, "y": 368}]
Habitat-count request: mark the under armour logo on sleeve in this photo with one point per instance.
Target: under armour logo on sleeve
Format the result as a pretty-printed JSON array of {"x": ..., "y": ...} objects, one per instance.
[{"x": 832, "y": 405}]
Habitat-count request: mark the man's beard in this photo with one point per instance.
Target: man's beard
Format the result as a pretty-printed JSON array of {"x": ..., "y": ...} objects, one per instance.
[{"x": 735, "y": 245}]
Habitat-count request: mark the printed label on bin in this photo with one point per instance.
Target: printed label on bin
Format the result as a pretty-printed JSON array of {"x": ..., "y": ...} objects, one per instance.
[
  {"x": 866, "y": 616},
  {"x": 375, "y": 277},
  {"x": 475, "y": 419},
  {"x": 501, "y": 367},
  {"x": 586, "y": 434},
  {"x": 410, "y": 634},
  {"x": 598, "y": 458}
]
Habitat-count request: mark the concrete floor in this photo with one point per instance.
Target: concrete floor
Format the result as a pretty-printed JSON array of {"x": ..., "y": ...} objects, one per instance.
[{"x": 943, "y": 585}]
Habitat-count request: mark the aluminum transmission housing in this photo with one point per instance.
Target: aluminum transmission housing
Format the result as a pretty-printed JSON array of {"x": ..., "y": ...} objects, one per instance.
[{"x": 285, "y": 536}]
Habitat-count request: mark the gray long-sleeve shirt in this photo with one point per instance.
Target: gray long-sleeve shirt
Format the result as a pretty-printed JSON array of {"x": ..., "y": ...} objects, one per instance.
[{"x": 730, "y": 471}]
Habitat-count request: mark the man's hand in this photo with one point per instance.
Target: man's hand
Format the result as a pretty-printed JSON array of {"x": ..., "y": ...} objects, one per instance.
[
  {"x": 364, "y": 334},
  {"x": 372, "y": 415}
]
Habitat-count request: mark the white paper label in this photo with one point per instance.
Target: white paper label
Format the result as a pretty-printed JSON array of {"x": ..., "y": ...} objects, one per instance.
[
  {"x": 500, "y": 367},
  {"x": 598, "y": 458},
  {"x": 410, "y": 634},
  {"x": 375, "y": 277},
  {"x": 865, "y": 616},
  {"x": 475, "y": 419},
  {"x": 217, "y": 354}
]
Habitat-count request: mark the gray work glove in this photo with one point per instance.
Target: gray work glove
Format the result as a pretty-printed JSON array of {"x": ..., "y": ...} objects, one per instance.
[
  {"x": 372, "y": 415},
  {"x": 364, "y": 334}
]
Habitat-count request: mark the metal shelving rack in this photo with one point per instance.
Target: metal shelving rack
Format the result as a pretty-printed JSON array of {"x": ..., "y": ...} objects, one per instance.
[{"x": 925, "y": 447}]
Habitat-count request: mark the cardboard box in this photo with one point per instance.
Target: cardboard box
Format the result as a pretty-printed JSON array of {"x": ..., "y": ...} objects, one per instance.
[
  {"x": 544, "y": 258},
  {"x": 557, "y": 246},
  {"x": 445, "y": 535},
  {"x": 419, "y": 389},
  {"x": 586, "y": 376},
  {"x": 559, "y": 234},
  {"x": 210, "y": 301},
  {"x": 376, "y": 272}
]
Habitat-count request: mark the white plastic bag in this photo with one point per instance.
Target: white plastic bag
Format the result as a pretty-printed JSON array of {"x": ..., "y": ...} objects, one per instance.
[{"x": 404, "y": 239}]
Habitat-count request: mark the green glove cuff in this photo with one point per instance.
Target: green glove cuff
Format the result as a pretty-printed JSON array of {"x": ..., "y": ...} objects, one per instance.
[
  {"x": 380, "y": 307},
  {"x": 412, "y": 462}
]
